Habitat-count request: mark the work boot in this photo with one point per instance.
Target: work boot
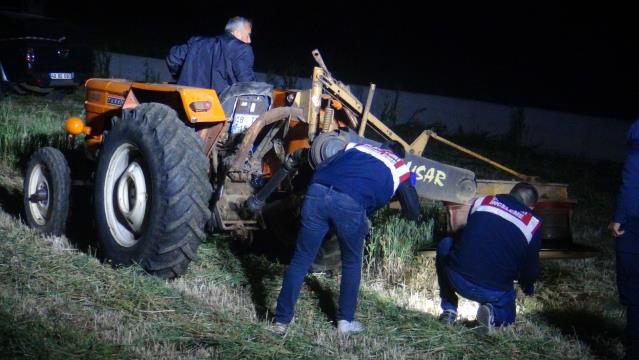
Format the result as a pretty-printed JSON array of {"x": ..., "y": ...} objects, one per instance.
[
  {"x": 279, "y": 328},
  {"x": 486, "y": 319},
  {"x": 448, "y": 317},
  {"x": 345, "y": 327}
]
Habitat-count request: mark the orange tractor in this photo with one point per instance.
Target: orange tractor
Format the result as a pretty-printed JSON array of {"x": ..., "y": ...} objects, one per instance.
[{"x": 169, "y": 163}]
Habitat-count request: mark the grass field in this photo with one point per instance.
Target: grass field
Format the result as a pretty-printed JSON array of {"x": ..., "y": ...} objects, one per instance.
[{"x": 62, "y": 303}]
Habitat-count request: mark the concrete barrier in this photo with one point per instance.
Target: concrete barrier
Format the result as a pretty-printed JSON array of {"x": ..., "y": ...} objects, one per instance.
[{"x": 590, "y": 137}]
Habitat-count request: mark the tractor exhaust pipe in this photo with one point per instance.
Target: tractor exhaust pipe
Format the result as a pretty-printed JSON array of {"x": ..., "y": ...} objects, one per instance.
[{"x": 256, "y": 202}]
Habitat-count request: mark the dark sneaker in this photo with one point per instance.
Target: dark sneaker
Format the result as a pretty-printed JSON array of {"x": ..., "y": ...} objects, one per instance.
[
  {"x": 486, "y": 319},
  {"x": 448, "y": 317}
]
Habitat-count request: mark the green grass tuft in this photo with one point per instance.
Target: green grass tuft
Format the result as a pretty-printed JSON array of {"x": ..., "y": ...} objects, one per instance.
[{"x": 28, "y": 123}]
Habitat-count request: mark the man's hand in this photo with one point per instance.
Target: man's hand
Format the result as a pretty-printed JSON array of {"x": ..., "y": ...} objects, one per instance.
[
  {"x": 528, "y": 289},
  {"x": 616, "y": 229}
]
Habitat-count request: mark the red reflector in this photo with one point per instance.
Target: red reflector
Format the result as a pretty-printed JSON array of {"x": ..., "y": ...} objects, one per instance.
[{"x": 200, "y": 106}]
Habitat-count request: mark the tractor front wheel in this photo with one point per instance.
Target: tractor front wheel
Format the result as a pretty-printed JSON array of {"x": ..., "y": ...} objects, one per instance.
[
  {"x": 152, "y": 192},
  {"x": 47, "y": 189}
]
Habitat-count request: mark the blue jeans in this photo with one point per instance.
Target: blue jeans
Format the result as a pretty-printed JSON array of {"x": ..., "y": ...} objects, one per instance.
[
  {"x": 325, "y": 207},
  {"x": 452, "y": 283}
]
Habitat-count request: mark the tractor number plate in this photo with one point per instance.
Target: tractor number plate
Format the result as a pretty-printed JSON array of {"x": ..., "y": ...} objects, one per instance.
[{"x": 61, "y": 76}]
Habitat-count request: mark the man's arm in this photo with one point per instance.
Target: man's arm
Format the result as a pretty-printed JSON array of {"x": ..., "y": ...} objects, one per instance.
[
  {"x": 408, "y": 199},
  {"x": 628, "y": 198},
  {"x": 530, "y": 271},
  {"x": 176, "y": 58},
  {"x": 243, "y": 65}
]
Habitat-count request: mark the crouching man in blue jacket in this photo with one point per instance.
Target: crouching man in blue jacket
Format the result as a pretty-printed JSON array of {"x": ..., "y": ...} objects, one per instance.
[
  {"x": 500, "y": 244},
  {"x": 345, "y": 189},
  {"x": 625, "y": 227}
]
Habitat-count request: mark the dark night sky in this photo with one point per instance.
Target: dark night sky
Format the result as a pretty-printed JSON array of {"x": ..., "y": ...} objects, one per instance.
[{"x": 561, "y": 57}]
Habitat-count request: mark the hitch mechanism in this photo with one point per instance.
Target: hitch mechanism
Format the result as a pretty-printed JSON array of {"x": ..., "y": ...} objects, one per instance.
[
  {"x": 457, "y": 187},
  {"x": 256, "y": 202}
]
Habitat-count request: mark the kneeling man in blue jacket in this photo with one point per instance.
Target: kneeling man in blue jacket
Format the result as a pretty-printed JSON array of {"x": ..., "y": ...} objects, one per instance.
[{"x": 499, "y": 244}]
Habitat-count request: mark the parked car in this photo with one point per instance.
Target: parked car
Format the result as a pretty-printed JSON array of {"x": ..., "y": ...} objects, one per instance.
[{"x": 41, "y": 54}]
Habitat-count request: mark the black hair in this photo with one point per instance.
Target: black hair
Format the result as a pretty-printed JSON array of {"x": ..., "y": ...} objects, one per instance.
[{"x": 395, "y": 147}]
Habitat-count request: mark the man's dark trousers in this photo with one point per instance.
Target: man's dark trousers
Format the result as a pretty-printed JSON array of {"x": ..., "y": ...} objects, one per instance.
[
  {"x": 628, "y": 283},
  {"x": 451, "y": 282},
  {"x": 325, "y": 207}
]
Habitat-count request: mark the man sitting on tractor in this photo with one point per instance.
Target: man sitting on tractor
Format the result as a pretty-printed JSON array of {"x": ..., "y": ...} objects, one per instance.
[{"x": 215, "y": 62}]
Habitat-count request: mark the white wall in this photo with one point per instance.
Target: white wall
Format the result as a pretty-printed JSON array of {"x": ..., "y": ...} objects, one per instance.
[{"x": 595, "y": 138}]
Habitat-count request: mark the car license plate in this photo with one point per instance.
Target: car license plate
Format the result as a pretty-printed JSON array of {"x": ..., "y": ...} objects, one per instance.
[{"x": 61, "y": 76}]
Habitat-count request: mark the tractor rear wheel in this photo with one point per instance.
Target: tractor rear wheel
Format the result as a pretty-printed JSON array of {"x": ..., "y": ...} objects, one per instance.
[
  {"x": 47, "y": 189},
  {"x": 329, "y": 256},
  {"x": 152, "y": 192}
]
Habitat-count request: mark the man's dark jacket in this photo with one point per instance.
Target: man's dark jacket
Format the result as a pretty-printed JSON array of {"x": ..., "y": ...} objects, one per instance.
[
  {"x": 211, "y": 62},
  {"x": 627, "y": 212},
  {"x": 499, "y": 244}
]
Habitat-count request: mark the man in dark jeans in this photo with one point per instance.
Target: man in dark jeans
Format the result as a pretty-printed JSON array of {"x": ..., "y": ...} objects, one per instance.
[
  {"x": 344, "y": 190},
  {"x": 215, "y": 62},
  {"x": 500, "y": 244},
  {"x": 625, "y": 227}
]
